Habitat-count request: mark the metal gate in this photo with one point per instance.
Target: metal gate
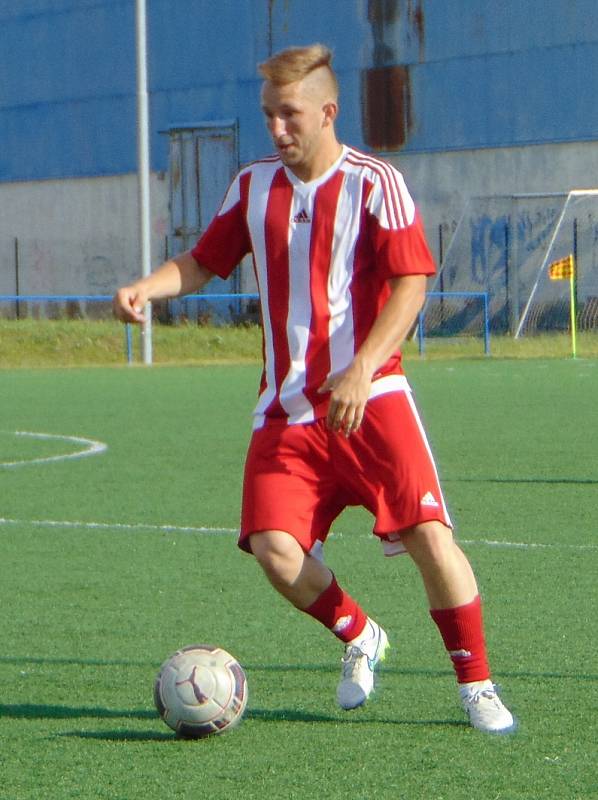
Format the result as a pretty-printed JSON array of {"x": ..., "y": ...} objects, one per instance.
[{"x": 203, "y": 159}]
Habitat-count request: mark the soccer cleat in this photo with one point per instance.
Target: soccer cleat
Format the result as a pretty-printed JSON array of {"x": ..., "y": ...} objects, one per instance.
[
  {"x": 485, "y": 709},
  {"x": 358, "y": 663}
]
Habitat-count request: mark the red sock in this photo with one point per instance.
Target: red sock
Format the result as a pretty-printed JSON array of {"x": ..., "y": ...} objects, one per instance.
[
  {"x": 462, "y": 630},
  {"x": 338, "y": 612}
]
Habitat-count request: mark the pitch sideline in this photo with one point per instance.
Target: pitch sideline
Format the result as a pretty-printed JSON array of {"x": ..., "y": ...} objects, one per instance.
[{"x": 212, "y": 530}]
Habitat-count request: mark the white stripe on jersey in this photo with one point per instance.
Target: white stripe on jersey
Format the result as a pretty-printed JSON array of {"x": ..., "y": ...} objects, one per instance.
[
  {"x": 291, "y": 394},
  {"x": 397, "y": 209},
  {"x": 233, "y": 194},
  {"x": 340, "y": 301},
  {"x": 259, "y": 189},
  {"x": 231, "y": 198}
]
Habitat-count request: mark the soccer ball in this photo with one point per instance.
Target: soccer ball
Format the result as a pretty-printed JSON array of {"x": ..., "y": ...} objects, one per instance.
[{"x": 201, "y": 690}]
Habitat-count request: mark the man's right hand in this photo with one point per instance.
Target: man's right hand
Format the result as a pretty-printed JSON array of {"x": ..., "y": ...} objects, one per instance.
[
  {"x": 129, "y": 304},
  {"x": 178, "y": 276}
]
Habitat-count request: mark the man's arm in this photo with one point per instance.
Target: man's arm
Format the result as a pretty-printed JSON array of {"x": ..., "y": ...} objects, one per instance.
[
  {"x": 178, "y": 276},
  {"x": 350, "y": 390}
]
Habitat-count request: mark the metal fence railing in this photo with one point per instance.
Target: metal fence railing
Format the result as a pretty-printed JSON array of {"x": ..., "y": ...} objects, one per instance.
[
  {"x": 445, "y": 314},
  {"x": 454, "y": 314}
]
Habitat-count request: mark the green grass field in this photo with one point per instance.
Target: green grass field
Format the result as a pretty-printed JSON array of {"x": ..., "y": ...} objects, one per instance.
[{"x": 112, "y": 561}]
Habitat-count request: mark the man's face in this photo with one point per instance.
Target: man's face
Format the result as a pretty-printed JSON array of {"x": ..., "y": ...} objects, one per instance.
[{"x": 295, "y": 121}]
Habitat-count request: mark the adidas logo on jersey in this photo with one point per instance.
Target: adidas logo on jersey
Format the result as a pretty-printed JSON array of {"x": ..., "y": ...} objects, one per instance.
[
  {"x": 429, "y": 500},
  {"x": 302, "y": 216}
]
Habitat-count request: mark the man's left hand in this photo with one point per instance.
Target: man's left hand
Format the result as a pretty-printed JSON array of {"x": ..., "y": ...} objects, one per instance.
[{"x": 349, "y": 392}]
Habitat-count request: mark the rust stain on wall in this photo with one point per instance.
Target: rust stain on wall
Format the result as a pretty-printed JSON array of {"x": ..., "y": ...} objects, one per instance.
[
  {"x": 415, "y": 12},
  {"x": 398, "y": 33},
  {"x": 387, "y": 107}
]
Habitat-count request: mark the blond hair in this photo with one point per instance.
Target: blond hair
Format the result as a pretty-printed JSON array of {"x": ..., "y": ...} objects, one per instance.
[{"x": 296, "y": 63}]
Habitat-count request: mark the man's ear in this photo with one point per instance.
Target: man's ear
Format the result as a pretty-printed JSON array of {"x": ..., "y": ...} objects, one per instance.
[{"x": 330, "y": 110}]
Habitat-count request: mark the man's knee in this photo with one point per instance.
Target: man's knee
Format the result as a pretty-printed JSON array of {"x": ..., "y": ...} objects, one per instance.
[
  {"x": 278, "y": 554},
  {"x": 429, "y": 541}
]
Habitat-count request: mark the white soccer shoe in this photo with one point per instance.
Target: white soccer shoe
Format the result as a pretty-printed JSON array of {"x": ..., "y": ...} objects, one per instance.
[
  {"x": 485, "y": 709},
  {"x": 360, "y": 659}
]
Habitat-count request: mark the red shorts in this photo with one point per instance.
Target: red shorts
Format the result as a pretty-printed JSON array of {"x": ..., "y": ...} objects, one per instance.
[{"x": 298, "y": 478}]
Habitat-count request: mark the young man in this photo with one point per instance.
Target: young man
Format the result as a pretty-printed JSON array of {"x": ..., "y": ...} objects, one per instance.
[{"x": 341, "y": 263}]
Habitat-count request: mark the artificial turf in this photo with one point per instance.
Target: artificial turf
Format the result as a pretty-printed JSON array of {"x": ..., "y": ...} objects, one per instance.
[{"x": 110, "y": 562}]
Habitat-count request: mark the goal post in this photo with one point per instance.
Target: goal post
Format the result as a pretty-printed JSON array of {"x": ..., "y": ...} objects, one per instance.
[
  {"x": 452, "y": 316},
  {"x": 504, "y": 245},
  {"x": 559, "y": 305}
]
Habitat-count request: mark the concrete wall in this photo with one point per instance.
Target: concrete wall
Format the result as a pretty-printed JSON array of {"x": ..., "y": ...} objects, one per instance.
[
  {"x": 76, "y": 236},
  {"x": 443, "y": 182}
]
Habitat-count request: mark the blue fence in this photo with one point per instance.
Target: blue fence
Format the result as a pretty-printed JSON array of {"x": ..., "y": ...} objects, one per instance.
[
  {"x": 235, "y": 298},
  {"x": 178, "y": 306},
  {"x": 457, "y": 319}
]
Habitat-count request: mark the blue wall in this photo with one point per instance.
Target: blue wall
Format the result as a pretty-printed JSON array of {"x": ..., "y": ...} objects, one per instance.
[{"x": 475, "y": 76}]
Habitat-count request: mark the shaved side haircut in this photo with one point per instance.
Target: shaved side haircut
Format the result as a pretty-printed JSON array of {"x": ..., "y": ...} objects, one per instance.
[{"x": 297, "y": 63}]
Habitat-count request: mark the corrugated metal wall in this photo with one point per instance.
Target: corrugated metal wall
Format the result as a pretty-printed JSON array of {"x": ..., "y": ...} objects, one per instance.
[
  {"x": 67, "y": 94},
  {"x": 431, "y": 76}
]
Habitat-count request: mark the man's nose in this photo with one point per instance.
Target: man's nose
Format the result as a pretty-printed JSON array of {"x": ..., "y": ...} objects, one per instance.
[{"x": 277, "y": 127}]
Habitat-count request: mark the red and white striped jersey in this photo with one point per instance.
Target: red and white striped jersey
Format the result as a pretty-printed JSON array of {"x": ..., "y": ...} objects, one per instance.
[{"x": 323, "y": 252}]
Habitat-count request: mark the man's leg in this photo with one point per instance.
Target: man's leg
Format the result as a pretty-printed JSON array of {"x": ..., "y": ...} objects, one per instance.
[
  {"x": 456, "y": 609},
  {"x": 310, "y": 586},
  {"x": 296, "y": 575}
]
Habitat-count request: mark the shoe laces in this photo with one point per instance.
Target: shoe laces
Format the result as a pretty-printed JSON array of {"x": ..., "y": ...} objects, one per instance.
[
  {"x": 483, "y": 693},
  {"x": 352, "y": 660}
]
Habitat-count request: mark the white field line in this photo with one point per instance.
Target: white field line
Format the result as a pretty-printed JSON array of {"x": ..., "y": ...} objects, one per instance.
[
  {"x": 115, "y": 526},
  {"x": 203, "y": 529},
  {"x": 528, "y": 545},
  {"x": 91, "y": 448}
]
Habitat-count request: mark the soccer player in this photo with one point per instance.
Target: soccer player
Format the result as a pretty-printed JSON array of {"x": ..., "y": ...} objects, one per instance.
[{"x": 341, "y": 263}]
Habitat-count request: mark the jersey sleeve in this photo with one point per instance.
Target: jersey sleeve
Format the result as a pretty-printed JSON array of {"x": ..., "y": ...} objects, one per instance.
[
  {"x": 397, "y": 231},
  {"x": 226, "y": 239}
]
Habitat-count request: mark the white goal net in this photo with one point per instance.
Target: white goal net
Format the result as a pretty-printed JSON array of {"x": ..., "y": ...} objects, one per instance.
[{"x": 504, "y": 245}]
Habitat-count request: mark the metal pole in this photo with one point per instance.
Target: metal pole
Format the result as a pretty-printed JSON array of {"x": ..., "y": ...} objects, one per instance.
[
  {"x": 129, "y": 343},
  {"x": 441, "y": 276},
  {"x": 420, "y": 333},
  {"x": 508, "y": 305},
  {"x": 486, "y": 326},
  {"x": 143, "y": 170},
  {"x": 17, "y": 281},
  {"x": 573, "y": 309}
]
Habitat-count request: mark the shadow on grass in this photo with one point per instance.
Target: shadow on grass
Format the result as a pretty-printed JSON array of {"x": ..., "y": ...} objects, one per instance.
[
  {"x": 54, "y": 712},
  {"x": 32, "y": 711},
  {"x": 330, "y": 668},
  {"x": 122, "y": 736},
  {"x": 352, "y": 718},
  {"x": 79, "y": 662},
  {"x": 555, "y": 481},
  {"x": 267, "y": 715}
]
